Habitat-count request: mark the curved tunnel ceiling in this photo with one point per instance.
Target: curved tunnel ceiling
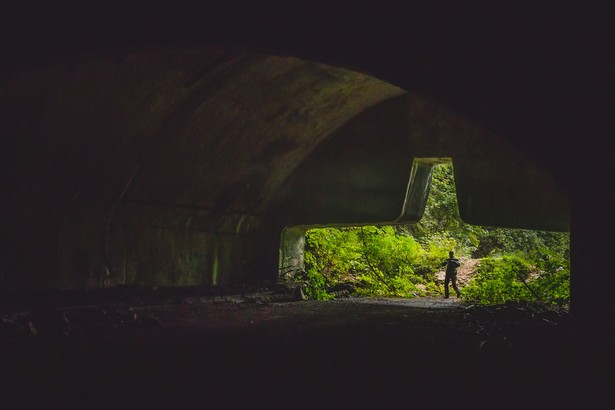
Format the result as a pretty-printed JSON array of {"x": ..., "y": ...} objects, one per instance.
[
  {"x": 224, "y": 130},
  {"x": 185, "y": 126},
  {"x": 106, "y": 151},
  {"x": 362, "y": 173}
]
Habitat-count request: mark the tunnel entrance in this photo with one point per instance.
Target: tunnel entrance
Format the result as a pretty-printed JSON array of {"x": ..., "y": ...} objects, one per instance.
[{"x": 498, "y": 265}]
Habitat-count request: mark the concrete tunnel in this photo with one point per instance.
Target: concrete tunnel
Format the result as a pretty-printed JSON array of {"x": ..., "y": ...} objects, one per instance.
[
  {"x": 164, "y": 145},
  {"x": 183, "y": 165}
]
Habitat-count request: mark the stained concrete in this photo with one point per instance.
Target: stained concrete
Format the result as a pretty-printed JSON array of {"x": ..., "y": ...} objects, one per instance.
[
  {"x": 160, "y": 167},
  {"x": 182, "y": 165}
]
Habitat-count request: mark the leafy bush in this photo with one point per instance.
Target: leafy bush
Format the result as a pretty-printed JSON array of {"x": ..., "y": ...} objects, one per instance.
[
  {"x": 498, "y": 280},
  {"x": 508, "y": 278},
  {"x": 397, "y": 286},
  {"x": 553, "y": 287},
  {"x": 549, "y": 260},
  {"x": 333, "y": 252},
  {"x": 377, "y": 260},
  {"x": 316, "y": 286}
]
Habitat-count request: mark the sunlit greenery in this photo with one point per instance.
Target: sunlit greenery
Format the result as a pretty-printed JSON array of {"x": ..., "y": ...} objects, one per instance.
[
  {"x": 402, "y": 260},
  {"x": 500, "y": 279}
]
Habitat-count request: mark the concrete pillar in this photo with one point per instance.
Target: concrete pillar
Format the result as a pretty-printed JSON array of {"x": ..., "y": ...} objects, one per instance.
[{"x": 292, "y": 248}]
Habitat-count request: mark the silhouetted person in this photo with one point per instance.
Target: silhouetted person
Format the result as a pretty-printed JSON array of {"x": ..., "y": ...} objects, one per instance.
[{"x": 452, "y": 264}]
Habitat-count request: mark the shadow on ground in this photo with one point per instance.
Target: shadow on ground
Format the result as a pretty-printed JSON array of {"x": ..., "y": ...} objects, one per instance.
[{"x": 348, "y": 353}]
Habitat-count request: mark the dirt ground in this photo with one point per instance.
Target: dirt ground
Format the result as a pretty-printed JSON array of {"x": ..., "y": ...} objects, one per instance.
[{"x": 238, "y": 352}]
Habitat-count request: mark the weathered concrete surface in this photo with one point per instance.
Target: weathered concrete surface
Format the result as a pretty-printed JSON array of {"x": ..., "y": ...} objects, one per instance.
[
  {"x": 182, "y": 165},
  {"x": 361, "y": 173},
  {"x": 159, "y": 167}
]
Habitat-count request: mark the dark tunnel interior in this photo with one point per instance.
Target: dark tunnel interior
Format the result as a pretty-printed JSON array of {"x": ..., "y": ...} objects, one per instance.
[{"x": 152, "y": 156}]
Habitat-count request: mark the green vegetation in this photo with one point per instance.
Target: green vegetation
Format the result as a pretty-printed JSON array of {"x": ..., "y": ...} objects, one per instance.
[
  {"x": 511, "y": 277},
  {"x": 371, "y": 260},
  {"x": 401, "y": 261}
]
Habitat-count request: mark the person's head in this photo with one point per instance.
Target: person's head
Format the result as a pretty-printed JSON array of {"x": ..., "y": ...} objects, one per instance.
[{"x": 451, "y": 254}]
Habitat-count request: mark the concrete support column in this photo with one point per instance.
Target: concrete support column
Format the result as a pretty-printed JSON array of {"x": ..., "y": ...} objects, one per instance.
[
  {"x": 417, "y": 192},
  {"x": 292, "y": 250}
]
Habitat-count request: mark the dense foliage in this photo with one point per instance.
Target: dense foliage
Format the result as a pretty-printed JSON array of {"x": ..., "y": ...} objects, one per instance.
[
  {"x": 371, "y": 260},
  {"x": 500, "y": 279},
  {"x": 402, "y": 260}
]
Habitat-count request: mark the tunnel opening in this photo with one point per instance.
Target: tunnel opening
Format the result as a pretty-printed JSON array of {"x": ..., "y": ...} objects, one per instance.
[
  {"x": 498, "y": 265},
  {"x": 509, "y": 332}
]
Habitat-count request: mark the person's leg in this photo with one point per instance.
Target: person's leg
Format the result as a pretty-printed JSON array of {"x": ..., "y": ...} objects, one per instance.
[
  {"x": 454, "y": 283},
  {"x": 446, "y": 280}
]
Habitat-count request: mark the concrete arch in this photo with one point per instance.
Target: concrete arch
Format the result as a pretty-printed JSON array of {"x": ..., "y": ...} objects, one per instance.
[
  {"x": 181, "y": 165},
  {"x": 368, "y": 164},
  {"x": 117, "y": 158}
]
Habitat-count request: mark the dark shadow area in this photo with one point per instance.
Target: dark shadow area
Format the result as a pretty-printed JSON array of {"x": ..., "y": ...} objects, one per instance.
[{"x": 352, "y": 353}]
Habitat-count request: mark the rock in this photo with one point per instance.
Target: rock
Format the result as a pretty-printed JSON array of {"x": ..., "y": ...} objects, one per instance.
[{"x": 48, "y": 321}]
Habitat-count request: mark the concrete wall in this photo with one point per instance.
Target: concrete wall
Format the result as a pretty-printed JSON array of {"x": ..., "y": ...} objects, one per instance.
[
  {"x": 182, "y": 166},
  {"x": 160, "y": 167}
]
